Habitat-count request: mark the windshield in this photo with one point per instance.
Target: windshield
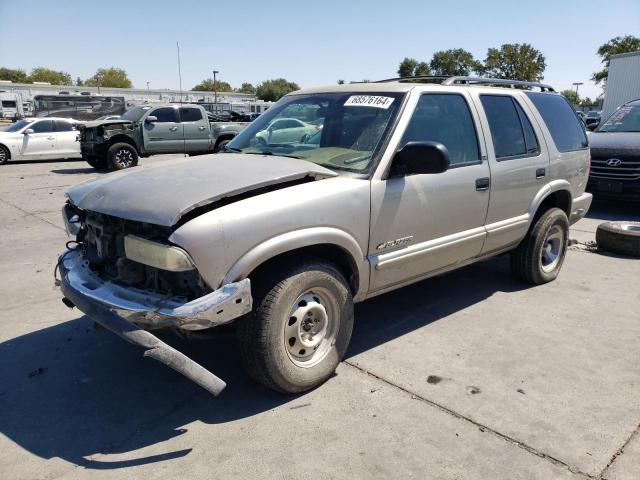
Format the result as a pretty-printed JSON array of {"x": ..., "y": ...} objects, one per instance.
[
  {"x": 134, "y": 114},
  {"x": 341, "y": 131},
  {"x": 20, "y": 124},
  {"x": 625, "y": 119}
]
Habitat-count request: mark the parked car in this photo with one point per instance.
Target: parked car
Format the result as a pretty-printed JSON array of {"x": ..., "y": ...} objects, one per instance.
[
  {"x": 592, "y": 119},
  {"x": 286, "y": 130},
  {"x": 148, "y": 130},
  {"x": 39, "y": 139},
  {"x": 407, "y": 181},
  {"x": 615, "y": 155}
]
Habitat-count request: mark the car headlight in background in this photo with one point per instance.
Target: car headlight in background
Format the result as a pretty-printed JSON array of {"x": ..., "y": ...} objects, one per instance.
[{"x": 158, "y": 255}]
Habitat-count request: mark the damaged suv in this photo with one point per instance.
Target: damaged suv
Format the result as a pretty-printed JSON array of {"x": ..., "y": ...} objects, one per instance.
[{"x": 403, "y": 180}]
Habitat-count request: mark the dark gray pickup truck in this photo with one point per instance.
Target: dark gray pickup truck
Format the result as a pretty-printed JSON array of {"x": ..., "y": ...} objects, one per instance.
[{"x": 151, "y": 130}]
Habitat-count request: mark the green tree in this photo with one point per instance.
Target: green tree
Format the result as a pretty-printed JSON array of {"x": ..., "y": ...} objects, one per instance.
[
  {"x": 407, "y": 67},
  {"x": 586, "y": 102},
  {"x": 422, "y": 70},
  {"x": 109, "y": 77},
  {"x": 516, "y": 61},
  {"x": 207, "y": 85},
  {"x": 247, "y": 88},
  {"x": 273, "y": 90},
  {"x": 570, "y": 95},
  {"x": 616, "y": 45},
  {"x": 455, "y": 61},
  {"x": 14, "y": 75},
  {"x": 79, "y": 82},
  {"x": 340, "y": 82},
  {"x": 42, "y": 74}
]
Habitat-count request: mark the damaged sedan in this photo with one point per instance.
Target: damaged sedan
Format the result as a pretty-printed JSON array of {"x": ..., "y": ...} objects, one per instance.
[{"x": 281, "y": 238}]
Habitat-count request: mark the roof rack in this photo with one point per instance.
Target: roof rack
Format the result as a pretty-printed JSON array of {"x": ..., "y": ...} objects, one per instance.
[{"x": 460, "y": 80}]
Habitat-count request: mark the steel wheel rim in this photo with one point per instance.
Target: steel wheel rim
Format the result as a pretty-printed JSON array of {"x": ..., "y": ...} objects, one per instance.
[
  {"x": 310, "y": 329},
  {"x": 124, "y": 158},
  {"x": 552, "y": 248}
]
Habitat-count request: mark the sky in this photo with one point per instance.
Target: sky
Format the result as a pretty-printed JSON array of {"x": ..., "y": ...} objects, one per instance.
[{"x": 312, "y": 43}]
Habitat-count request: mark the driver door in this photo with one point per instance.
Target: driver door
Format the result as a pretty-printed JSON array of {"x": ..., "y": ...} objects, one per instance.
[
  {"x": 422, "y": 224},
  {"x": 41, "y": 143}
]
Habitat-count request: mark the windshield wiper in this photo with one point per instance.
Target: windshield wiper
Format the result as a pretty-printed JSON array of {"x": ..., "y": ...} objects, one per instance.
[{"x": 269, "y": 152}]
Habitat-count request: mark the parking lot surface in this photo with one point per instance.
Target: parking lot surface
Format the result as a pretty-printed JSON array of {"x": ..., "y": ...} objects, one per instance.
[{"x": 465, "y": 376}]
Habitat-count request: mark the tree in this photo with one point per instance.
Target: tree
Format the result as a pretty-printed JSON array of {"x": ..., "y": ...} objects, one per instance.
[
  {"x": 570, "y": 95},
  {"x": 247, "y": 88},
  {"x": 42, "y": 74},
  {"x": 14, "y": 75},
  {"x": 109, "y": 77},
  {"x": 273, "y": 90},
  {"x": 207, "y": 85},
  {"x": 79, "y": 82},
  {"x": 586, "y": 102},
  {"x": 616, "y": 45},
  {"x": 340, "y": 82},
  {"x": 422, "y": 70},
  {"x": 455, "y": 61},
  {"x": 516, "y": 61},
  {"x": 407, "y": 67}
]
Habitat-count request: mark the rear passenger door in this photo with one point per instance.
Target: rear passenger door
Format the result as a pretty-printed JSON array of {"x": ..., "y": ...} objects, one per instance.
[
  {"x": 164, "y": 135},
  {"x": 519, "y": 167},
  {"x": 66, "y": 144},
  {"x": 196, "y": 129}
]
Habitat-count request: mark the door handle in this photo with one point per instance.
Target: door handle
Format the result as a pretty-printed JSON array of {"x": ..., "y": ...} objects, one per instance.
[
  {"x": 201, "y": 129},
  {"x": 541, "y": 173},
  {"x": 173, "y": 129},
  {"x": 483, "y": 184}
]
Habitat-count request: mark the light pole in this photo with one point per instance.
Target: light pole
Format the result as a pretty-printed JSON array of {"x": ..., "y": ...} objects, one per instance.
[
  {"x": 577, "y": 84},
  {"x": 147, "y": 85},
  {"x": 215, "y": 90}
]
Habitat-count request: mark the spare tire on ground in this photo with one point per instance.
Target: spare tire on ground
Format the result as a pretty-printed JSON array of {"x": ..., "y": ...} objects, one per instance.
[{"x": 619, "y": 237}]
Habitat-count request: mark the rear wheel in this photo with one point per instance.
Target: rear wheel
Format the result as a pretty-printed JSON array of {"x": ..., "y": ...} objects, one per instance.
[
  {"x": 4, "y": 155},
  {"x": 539, "y": 257},
  {"x": 300, "y": 328},
  {"x": 121, "y": 156},
  {"x": 221, "y": 145}
]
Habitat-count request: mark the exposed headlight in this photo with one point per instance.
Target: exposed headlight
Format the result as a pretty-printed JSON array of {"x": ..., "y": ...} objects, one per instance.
[
  {"x": 71, "y": 221},
  {"x": 164, "y": 257}
]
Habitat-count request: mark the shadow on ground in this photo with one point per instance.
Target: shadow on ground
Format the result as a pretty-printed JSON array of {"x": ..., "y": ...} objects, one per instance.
[
  {"x": 71, "y": 391},
  {"x": 59, "y": 160}
]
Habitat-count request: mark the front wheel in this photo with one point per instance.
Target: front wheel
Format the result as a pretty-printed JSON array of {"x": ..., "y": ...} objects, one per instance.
[
  {"x": 221, "y": 145},
  {"x": 4, "y": 155},
  {"x": 539, "y": 257},
  {"x": 121, "y": 156},
  {"x": 300, "y": 328}
]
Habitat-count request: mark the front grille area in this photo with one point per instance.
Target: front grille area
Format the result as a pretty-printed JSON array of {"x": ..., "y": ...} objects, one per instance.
[
  {"x": 629, "y": 168},
  {"x": 102, "y": 239}
]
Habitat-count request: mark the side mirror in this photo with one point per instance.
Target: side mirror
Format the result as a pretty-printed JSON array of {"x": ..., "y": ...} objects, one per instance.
[
  {"x": 417, "y": 158},
  {"x": 151, "y": 119},
  {"x": 29, "y": 131}
]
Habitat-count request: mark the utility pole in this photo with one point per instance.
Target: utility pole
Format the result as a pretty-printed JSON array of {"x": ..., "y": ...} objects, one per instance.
[
  {"x": 147, "y": 85},
  {"x": 577, "y": 84},
  {"x": 215, "y": 90}
]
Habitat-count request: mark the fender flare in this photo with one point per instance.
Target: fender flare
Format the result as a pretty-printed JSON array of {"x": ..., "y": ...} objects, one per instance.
[
  {"x": 299, "y": 239},
  {"x": 122, "y": 138},
  {"x": 545, "y": 191}
]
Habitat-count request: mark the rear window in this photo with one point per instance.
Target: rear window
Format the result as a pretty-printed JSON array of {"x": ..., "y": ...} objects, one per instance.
[{"x": 565, "y": 128}]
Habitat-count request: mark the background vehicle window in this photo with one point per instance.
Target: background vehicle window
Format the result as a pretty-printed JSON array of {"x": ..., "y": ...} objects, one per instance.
[
  {"x": 530, "y": 139},
  {"x": 62, "y": 126},
  {"x": 566, "y": 130},
  {"x": 191, "y": 114},
  {"x": 446, "y": 119},
  {"x": 166, "y": 114},
  {"x": 504, "y": 122},
  {"x": 43, "y": 126},
  {"x": 8, "y": 104}
]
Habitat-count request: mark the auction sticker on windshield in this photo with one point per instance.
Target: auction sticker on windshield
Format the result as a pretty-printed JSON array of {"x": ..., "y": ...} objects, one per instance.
[{"x": 374, "y": 101}]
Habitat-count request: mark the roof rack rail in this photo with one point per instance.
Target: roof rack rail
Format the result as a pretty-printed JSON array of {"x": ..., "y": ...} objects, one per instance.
[{"x": 461, "y": 80}]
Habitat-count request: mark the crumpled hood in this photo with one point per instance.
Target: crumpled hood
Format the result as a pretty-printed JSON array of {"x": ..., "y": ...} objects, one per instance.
[
  {"x": 162, "y": 193},
  {"x": 608, "y": 144}
]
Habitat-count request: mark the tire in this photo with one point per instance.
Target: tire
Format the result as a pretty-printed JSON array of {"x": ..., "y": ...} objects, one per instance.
[
  {"x": 5, "y": 155},
  {"x": 121, "y": 156},
  {"x": 304, "y": 139},
  {"x": 221, "y": 145},
  {"x": 539, "y": 257},
  {"x": 96, "y": 162},
  {"x": 619, "y": 237},
  {"x": 277, "y": 343}
]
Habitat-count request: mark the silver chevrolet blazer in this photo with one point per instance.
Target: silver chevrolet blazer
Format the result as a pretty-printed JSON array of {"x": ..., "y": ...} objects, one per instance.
[{"x": 331, "y": 197}]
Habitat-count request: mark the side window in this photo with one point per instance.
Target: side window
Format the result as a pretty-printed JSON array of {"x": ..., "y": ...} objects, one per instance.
[
  {"x": 43, "y": 126},
  {"x": 62, "y": 126},
  {"x": 562, "y": 122},
  {"x": 165, "y": 114},
  {"x": 445, "y": 118},
  {"x": 505, "y": 124},
  {"x": 190, "y": 114},
  {"x": 530, "y": 139}
]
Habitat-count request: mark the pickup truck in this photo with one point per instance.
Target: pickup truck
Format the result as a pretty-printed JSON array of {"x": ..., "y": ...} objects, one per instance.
[{"x": 151, "y": 130}]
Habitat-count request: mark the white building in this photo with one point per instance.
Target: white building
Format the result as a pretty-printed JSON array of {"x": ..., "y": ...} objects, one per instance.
[{"x": 623, "y": 82}]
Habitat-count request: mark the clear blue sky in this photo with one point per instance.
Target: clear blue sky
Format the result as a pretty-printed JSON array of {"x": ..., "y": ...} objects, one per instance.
[{"x": 311, "y": 43}]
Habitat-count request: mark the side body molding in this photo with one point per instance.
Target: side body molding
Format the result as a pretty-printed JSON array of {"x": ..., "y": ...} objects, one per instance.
[{"x": 298, "y": 239}]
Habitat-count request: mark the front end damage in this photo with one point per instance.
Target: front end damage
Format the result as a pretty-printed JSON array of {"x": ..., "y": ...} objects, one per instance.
[{"x": 130, "y": 298}]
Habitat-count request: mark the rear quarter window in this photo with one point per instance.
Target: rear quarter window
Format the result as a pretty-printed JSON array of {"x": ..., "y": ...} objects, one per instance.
[{"x": 562, "y": 122}]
